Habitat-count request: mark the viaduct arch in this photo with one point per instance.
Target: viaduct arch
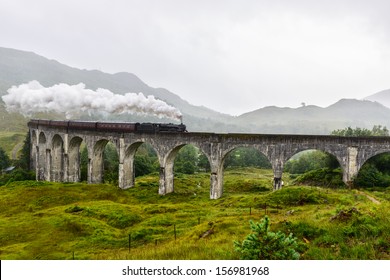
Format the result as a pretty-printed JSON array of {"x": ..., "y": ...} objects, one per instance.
[{"x": 55, "y": 153}]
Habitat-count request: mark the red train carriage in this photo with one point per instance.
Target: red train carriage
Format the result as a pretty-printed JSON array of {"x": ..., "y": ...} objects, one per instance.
[
  {"x": 116, "y": 127},
  {"x": 82, "y": 125}
]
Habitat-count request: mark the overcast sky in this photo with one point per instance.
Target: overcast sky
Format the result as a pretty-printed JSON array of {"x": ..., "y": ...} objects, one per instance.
[{"x": 231, "y": 56}]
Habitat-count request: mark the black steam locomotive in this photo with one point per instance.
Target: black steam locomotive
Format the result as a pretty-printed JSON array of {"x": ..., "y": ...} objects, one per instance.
[{"x": 111, "y": 126}]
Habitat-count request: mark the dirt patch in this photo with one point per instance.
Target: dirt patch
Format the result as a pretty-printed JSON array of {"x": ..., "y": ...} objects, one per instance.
[
  {"x": 374, "y": 200},
  {"x": 344, "y": 215}
]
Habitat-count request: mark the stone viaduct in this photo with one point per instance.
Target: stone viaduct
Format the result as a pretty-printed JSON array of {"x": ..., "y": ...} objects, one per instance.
[{"x": 55, "y": 153}]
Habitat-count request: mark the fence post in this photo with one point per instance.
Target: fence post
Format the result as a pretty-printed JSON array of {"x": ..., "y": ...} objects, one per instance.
[{"x": 129, "y": 242}]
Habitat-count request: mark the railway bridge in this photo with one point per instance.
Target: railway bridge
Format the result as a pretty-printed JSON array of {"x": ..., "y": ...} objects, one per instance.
[{"x": 55, "y": 152}]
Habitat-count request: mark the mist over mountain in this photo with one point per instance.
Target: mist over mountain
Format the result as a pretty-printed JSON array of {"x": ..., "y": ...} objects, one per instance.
[
  {"x": 382, "y": 97},
  {"x": 18, "y": 67},
  {"x": 318, "y": 120}
]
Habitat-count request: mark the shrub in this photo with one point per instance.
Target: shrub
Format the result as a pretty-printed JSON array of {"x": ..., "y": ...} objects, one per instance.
[
  {"x": 297, "y": 196},
  {"x": 322, "y": 177},
  {"x": 370, "y": 176},
  {"x": 74, "y": 209},
  {"x": 265, "y": 244},
  {"x": 4, "y": 159},
  {"x": 123, "y": 220},
  {"x": 16, "y": 175}
]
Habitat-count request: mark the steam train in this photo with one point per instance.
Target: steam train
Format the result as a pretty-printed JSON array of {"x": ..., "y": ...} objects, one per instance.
[{"x": 111, "y": 126}]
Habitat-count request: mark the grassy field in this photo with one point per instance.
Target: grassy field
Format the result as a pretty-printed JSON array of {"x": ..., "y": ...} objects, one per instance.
[{"x": 41, "y": 220}]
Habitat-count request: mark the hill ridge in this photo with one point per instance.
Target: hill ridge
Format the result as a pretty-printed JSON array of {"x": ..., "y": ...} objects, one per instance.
[{"x": 19, "y": 67}]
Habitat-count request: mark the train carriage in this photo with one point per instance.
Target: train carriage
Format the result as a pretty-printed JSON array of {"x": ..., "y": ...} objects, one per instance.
[{"x": 112, "y": 126}]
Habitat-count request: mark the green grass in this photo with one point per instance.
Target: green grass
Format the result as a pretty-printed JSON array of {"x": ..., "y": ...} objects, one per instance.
[{"x": 42, "y": 220}]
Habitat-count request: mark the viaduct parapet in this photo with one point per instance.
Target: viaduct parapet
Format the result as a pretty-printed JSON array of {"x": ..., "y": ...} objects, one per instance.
[{"x": 55, "y": 153}]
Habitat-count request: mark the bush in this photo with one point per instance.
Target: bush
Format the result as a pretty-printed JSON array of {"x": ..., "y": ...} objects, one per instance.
[
  {"x": 296, "y": 196},
  {"x": 265, "y": 244},
  {"x": 325, "y": 177},
  {"x": 4, "y": 160},
  {"x": 370, "y": 176},
  {"x": 16, "y": 175},
  {"x": 74, "y": 209},
  {"x": 123, "y": 220},
  {"x": 310, "y": 160}
]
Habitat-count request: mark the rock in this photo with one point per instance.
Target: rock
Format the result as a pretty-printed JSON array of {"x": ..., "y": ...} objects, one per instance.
[
  {"x": 207, "y": 233},
  {"x": 344, "y": 215}
]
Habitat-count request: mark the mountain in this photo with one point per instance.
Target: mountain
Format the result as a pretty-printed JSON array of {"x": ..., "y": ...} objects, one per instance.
[
  {"x": 382, "y": 97},
  {"x": 17, "y": 67},
  {"x": 317, "y": 120}
]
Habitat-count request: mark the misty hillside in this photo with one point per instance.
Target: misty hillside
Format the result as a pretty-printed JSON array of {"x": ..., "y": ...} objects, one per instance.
[
  {"x": 17, "y": 67},
  {"x": 382, "y": 97},
  {"x": 317, "y": 120}
]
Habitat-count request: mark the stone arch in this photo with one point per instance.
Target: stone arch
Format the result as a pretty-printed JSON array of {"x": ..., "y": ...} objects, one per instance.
[
  {"x": 167, "y": 169},
  {"x": 111, "y": 162},
  {"x": 42, "y": 162},
  {"x": 340, "y": 156},
  {"x": 308, "y": 163},
  {"x": 96, "y": 160},
  {"x": 74, "y": 159},
  {"x": 337, "y": 156},
  {"x": 42, "y": 138},
  {"x": 166, "y": 172},
  {"x": 127, "y": 169},
  {"x": 257, "y": 148},
  {"x": 379, "y": 165},
  {"x": 57, "y": 159},
  {"x": 368, "y": 155}
]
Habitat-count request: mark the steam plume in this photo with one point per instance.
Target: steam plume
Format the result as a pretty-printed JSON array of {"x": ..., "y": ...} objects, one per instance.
[{"x": 72, "y": 99}]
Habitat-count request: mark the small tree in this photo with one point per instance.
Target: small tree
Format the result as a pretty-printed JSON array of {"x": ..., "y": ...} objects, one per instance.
[
  {"x": 111, "y": 163},
  {"x": 145, "y": 160},
  {"x": 24, "y": 159},
  {"x": 4, "y": 160},
  {"x": 263, "y": 244},
  {"x": 203, "y": 163},
  {"x": 186, "y": 160}
]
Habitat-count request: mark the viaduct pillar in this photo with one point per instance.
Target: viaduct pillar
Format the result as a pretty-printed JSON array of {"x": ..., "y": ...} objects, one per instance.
[
  {"x": 277, "y": 155},
  {"x": 167, "y": 159},
  {"x": 351, "y": 167},
  {"x": 278, "y": 171},
  {"x": 216, "y": 166}
]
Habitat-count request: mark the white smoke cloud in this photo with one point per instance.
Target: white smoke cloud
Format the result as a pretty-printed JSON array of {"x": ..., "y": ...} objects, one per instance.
[{"x": 72, "y": 99}]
